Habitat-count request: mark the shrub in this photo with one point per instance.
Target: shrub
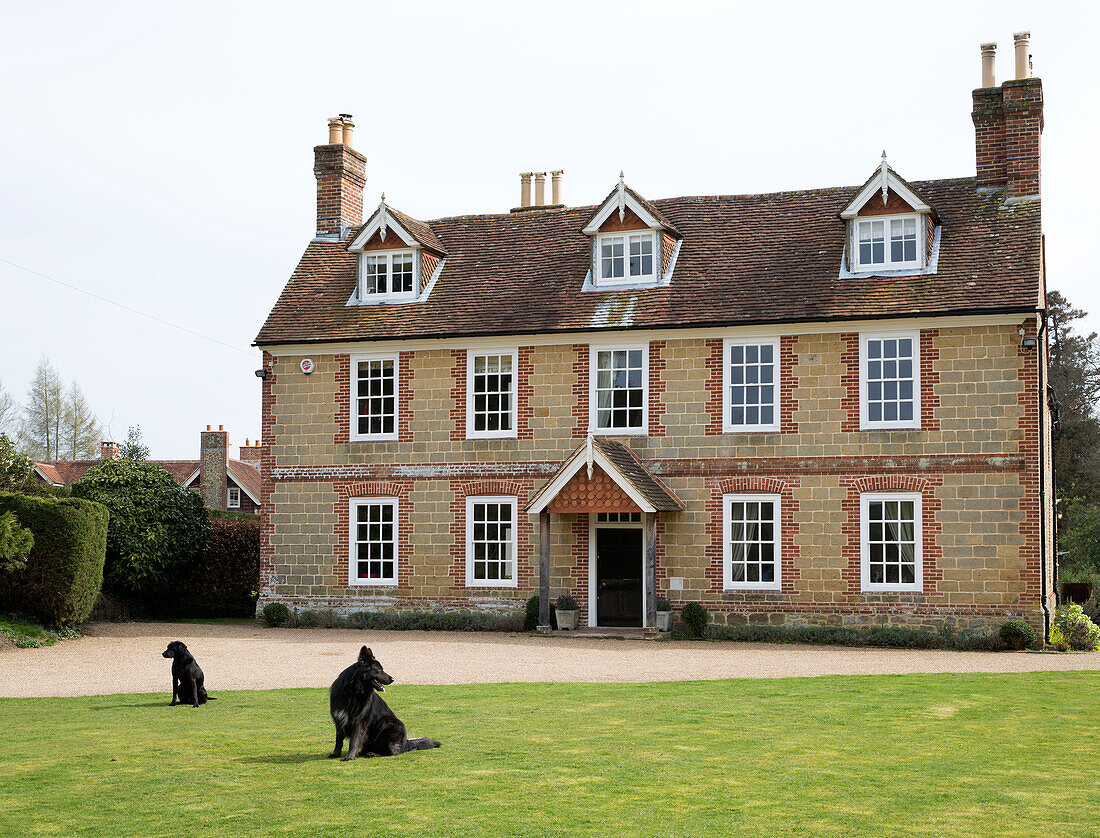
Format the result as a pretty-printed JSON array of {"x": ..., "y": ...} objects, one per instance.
[
  {"x": 1092, "y": 608},
  {"x": 15, "y": 543},
  {"x": 890, "y": 637},
  {"x": 531, "y": 614},
  {"x": 64, "y": 569},
  {"x": 696, "y": 617},
  {"x": 157, "y": 528},
  {"x": 276, "y": 614},
  {"x": 663, "y": 604},
  {"x": 16, "y": 469},
  {"x": 225, "y": 579},
  {"x": 1017, "y": 634},
  {"x": 1073, "y": 630},
  {"x": 566, "y": 603}
]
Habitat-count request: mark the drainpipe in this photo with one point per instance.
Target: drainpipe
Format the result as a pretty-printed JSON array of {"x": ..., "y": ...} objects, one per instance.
[{"x": 1042, "y": 404}]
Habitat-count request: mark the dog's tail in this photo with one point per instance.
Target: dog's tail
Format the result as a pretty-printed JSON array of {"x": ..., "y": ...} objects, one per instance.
[
  {"x": 421, "y": 744},
  {"x": 211, "y": 697}
]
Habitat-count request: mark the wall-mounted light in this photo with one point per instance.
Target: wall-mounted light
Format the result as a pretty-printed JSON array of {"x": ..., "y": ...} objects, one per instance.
[
  {"x": 262, "y": 374},
  {"x": 1029, "y": 343}
]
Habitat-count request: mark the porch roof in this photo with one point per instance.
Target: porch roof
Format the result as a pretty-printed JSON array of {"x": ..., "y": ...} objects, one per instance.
[{"x": 620, "y": 464}]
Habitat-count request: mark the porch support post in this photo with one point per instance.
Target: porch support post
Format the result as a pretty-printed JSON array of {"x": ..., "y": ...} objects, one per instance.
[
  {"x": 544, "y": 571},
  {"x": 651, "y": 570}
]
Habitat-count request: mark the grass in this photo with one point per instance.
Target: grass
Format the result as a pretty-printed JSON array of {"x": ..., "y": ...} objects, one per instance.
[
  {"x": 921, "y": 755},
  {"x": 26, "y": 633}
]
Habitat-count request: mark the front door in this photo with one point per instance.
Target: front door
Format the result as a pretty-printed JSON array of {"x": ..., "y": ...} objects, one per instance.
[{"x": 619, "y": 577}]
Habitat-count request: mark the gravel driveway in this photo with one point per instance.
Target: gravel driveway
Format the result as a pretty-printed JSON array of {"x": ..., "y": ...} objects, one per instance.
[{"x": 125, "y": 658}]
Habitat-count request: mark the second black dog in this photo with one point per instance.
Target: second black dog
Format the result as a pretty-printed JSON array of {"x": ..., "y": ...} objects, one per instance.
[
  {"x": 187, "y": 677},
  {"x": 361, "y": 716}
]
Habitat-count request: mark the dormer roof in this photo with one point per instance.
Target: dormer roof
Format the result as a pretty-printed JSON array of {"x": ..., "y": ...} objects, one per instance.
[
  {"x": 409, "y": 231},
  {"x": 621, "y": 199},
  {"x": 884, "y": 183}
]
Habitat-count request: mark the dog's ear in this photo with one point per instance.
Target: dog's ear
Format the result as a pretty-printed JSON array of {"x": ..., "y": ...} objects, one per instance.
[{"x": 365, "y": 655}]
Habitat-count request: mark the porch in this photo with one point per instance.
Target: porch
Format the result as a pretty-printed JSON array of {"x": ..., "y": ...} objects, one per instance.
[{"x": 607, "y": 482}]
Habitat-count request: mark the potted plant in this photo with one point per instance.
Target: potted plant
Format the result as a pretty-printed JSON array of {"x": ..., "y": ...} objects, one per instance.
[
  {"x": 664, "y": 614},
  {"x": 567, "y": 613}
]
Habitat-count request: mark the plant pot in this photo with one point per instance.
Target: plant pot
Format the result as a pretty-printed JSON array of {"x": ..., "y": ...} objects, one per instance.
[
  {"x": 664, "y": 620},
  {"x": 567, "y": 620}
]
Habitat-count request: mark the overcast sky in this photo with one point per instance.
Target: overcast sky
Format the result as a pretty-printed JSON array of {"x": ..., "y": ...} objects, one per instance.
[{"x": 161, "y": 154}]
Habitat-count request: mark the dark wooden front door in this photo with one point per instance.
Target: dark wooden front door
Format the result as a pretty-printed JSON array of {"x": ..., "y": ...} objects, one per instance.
[{"x": 619, "y": 577}]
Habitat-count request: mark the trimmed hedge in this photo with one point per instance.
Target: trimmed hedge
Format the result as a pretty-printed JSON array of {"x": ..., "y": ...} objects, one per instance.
[
  {"x": 225, "y": 578},
  {"x": 277, "y": 614},
  {"x": 64, "y": 570},
  {"x": 882, "y": 636}
]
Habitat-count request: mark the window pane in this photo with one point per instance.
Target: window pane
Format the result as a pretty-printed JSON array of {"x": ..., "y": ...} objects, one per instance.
[
  {"x": 620, "y": 388},
  {"x": 889, "y": 372},
  {"x": 751, "y": 405},
  {"x": 492, "y": 542},
  {"x": 492, "y": 393},
  {"x": 891, "y": 542},
  {"x": 375, "y": 389},
  {"x": 753, "y": 529},
  {"x": 375, "y": 544}
]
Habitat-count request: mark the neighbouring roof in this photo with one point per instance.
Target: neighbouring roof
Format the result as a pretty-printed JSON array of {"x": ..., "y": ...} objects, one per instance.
[
  {"x": 67, "y": 472},
  {"x": 247, "y": 476},
  {"x": 744, "y": 259},
  {"x": 619, "y": 463}
]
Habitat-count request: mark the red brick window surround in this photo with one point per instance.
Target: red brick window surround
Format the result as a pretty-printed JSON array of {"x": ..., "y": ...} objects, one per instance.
[
  {"x": 777, "y": 363},
  {"x": 580, "y": 390},
  {"x": 463, "y": 492},
  {"x": 892, "y": 486},
  {"x": 885, "y": 386},
  {"x": 376, "y": 401},
  {"x": 522, "y": 370},
  {"x": 393, "y": 492},
  {"x": 781, "y": 489}
]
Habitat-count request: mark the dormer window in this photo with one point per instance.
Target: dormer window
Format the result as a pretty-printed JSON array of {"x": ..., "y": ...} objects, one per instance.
[
  {"x": 390, "y": 274},
  {"x": 887, "y": 242},
  {"x": 626, "y": 258}
]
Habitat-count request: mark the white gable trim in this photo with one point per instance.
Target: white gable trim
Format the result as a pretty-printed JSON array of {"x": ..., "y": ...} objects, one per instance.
[
  {"x": 573, "y": 466},
  {"x": 392, "y": 226},
  {"x": 187, "y": 483},
  {"x": 45, "y": 477},
  {"x": 886, "y": 181},
  {"x": 612, "y": 205},
  {"x": 236, "y": 483}
]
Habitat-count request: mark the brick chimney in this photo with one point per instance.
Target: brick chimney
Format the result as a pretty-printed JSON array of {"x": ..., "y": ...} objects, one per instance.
[
  {"x": 109, "y": 450},
  {"x": 341, "y": 174},
  {"x": 1008, "y": 125},
  {"x": 251, "y": 453},
  {"x": 213, "y": 454}
]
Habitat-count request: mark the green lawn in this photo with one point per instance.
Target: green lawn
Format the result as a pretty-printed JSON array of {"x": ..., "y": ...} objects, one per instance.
[{"x": 953, "y": 755}]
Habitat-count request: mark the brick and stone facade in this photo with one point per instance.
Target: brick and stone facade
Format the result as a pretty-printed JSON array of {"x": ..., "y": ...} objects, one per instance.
[{"x": 975, "y": 457}]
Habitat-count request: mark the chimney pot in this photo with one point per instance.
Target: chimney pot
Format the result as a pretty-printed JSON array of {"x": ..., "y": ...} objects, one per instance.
[
  {"x": 540, "y": 189},
  {"x": 525, "y": 189},
  {"x": 335, "y": 130},
  {"x": 555, "y": 187},
  {"x": 348, "y": 128},
  {"x": 1023, "y": 56},
  {"x": 221, "y": 427},
  {"x": 208, "y": 428},
  {"x": 989, "y": 56}
]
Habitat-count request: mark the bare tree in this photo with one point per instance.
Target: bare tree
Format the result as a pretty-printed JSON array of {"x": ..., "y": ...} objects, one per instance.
[
  {"x": 40, "y": 431},
  {"x": 80, "y": 430},
  {"x": 9, "y": 410}
]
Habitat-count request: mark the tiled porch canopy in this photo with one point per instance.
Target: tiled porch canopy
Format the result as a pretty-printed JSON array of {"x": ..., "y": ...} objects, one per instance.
[{"x": 602, "y": 476}]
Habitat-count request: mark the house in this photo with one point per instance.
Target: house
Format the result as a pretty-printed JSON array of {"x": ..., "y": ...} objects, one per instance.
[
  {"x": 223, "y": 483},
  {"x": 815, "y": 407}
]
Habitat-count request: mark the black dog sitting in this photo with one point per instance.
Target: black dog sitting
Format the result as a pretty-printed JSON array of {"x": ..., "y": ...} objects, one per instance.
[
  {"x": 187, "y": 677},
  {"x": 361, "y": 715}
]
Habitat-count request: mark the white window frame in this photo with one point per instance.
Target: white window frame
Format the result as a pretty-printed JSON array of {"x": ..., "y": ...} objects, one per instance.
[
  {"x": 627, "y": 278},
  {"x": 471, "y": 582},
  {"x": 900, "y": 424},
  {"x": 389, "y": 256},
  {"x": 353, "y": 505},
  {"x": 593, "y": 412},
  {"x": 888, "y": 264},
  {"x": 727, "y": 407},
  {"x": 867, "y": 586},
  {"x": 232, "y": 497},
  {"x": 471, "y": 433},
  {"x": 727, "y": 548},
  {"x": 353, "y": 388}
]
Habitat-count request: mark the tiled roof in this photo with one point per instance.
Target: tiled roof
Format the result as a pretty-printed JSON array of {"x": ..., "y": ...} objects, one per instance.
[
  {"x": 67, "y": 472},
  {"x": 245, "y": 475},
  {"x": 744, "y": 259},
  {"x": 419, "y": 230},
  {"x": 648, "y": 485}
]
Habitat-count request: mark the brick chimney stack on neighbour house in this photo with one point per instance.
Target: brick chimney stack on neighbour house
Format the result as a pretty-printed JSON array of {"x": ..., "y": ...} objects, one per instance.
[
  {"x": 109, "y": 450},
  {"x": 341, "y": 174},
  {"x": 251, "y": 453},
  {"x": 1008, "y": 125},
  {"x": 213, "y": 456}
]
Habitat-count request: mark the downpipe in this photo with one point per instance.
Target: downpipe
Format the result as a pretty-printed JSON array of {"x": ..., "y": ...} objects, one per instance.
[{"x": 1042, "y": 405}]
